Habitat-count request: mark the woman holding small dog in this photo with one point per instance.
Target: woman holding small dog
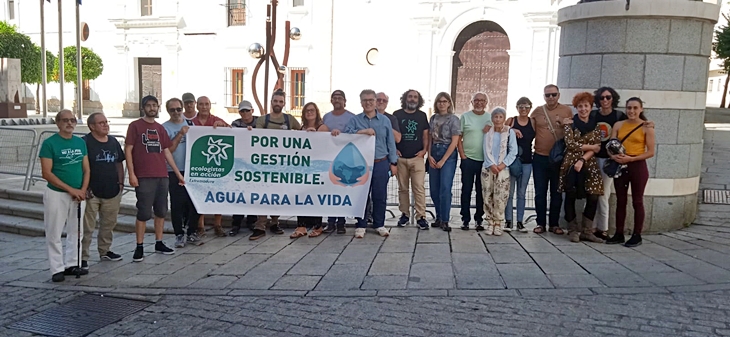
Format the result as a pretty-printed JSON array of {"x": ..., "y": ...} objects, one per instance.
[{"x": 639, "y": 146}]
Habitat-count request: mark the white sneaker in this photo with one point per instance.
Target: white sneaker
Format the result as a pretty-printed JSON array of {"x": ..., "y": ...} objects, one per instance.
[
  {"x": 383, "y": 231},
  {"x": 497, "y": 230},
  {"x": 359, "y": 233},
  {"x": 489, "y": 230}
]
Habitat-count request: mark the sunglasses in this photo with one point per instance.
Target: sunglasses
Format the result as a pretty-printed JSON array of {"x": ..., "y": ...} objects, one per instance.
[
  {"x": 68, "y": 120},
  {"x": 524, "y": 107},
  {"x": 552, "y": 94},
  {"x": 244, "y": 110},
  {"x": 175, "y": 110},
  {"x": 606, "y": 98}
]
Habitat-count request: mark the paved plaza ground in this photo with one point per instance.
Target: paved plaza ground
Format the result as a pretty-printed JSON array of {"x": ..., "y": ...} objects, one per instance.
[{"x": 413, "y": 283}]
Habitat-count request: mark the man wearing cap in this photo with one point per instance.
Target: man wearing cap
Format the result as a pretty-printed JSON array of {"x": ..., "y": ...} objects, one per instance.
[
  {"x": 205, "y": 118},
  {"x": 337, "y": 119},
  {"x": 245, "y": 109},
  {"x": 147, "y": 144},
  {"x": 189, "y": 106},
  {"x": 182, "y": 211}
]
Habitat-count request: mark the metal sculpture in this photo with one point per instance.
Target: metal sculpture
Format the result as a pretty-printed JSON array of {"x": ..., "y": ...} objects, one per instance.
[{"x": 266, "y": 55}]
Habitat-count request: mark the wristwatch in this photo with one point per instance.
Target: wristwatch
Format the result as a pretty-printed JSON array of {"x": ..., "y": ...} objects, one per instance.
[{"x": 393, "y": 164}]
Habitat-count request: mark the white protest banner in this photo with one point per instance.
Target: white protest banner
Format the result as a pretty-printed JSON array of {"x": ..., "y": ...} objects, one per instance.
[{"x": 278, "y": 172}]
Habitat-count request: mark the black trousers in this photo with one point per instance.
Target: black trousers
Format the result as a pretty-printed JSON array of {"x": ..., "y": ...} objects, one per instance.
[
  {"x": 182, "y": 211},
  {"x": 250, "y": 220},
  {"x": 309, "y": 221},
  {"x": 589, "y": 211}
]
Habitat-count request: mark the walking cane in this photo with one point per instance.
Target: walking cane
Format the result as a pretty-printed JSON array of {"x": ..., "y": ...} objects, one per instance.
[{"x": 78, "y": 240}]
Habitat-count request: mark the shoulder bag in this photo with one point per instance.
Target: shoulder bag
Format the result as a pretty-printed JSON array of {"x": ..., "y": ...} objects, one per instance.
[
  {"x": 557, "y": 152},
  {"x": 610, "y": 167}
]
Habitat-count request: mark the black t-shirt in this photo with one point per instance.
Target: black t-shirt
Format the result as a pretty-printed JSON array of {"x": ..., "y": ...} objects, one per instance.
[
  {"x": 393, "y": 121},
  {"x": 605, "y": 126},
  {"x": 525, "y": 143},
  {"x": 103, "y": 159},
  {"x": 411, "y": 126}
]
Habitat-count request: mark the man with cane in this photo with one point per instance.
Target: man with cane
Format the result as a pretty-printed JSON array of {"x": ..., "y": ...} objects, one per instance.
[{"x": 65, "y": 167}]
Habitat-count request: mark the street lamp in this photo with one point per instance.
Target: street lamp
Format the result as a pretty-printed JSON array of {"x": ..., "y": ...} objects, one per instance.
[{"x": 266, "y": 55}]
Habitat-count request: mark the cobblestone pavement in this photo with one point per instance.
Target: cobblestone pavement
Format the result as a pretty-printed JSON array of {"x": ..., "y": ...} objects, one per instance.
[{"x": 414, "y": 283}]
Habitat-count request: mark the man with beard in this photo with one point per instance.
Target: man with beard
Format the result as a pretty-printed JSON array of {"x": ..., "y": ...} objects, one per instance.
[
  {"x": 106, "y": 183},
  {"x": 412, "y": 150},
  {"x": 205, "y": 118},
  {"x": 189, "y": 106},
  {"x": 65, "y": 167},
  {"x": 182, "y": 211},
  {"x": 275, "y": 120},
  {"x": 147, "y": 144},
  {"x": 471, "y": 152},
  {"x": 337, "y": 119}
]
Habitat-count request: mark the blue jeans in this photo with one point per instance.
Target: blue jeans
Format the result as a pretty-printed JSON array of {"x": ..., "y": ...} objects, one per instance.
[
  {"x": 521, "y": 184},
  {"x": 471, "y": 174},
  {"x": 378, "y": 194},
  {"x": 544, "y": 173},
  {"x": 441, "y": 180}
]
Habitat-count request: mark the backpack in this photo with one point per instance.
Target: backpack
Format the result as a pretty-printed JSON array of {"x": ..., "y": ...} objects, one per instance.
[{"x": 286, "y": 122}]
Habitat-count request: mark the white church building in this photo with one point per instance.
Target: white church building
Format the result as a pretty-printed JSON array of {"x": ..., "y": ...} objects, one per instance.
[{"x": 506, "y": 48}]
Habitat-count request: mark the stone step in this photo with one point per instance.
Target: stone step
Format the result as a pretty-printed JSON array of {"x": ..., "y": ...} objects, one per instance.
[{"x": 25, "y": 217}]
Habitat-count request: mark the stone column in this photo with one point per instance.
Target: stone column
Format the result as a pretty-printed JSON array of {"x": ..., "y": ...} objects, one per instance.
[{"x": 657, "y": 50}]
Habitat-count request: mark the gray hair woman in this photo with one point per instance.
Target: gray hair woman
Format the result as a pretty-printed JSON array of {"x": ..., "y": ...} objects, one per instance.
[{"x": 500, "y": 150}]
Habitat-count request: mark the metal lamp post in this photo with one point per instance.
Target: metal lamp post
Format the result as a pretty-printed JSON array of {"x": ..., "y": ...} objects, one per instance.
[{"x": 266, "y": 55}]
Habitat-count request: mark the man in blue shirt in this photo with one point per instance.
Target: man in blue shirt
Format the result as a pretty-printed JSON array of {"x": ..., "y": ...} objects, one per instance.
[{"x": 370, "y": 122}]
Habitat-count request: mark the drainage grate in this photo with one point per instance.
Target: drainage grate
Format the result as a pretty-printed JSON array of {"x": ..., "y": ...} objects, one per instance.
[
  {"x": 717, "y": 197},
  {"x": 80, "y": 316}
]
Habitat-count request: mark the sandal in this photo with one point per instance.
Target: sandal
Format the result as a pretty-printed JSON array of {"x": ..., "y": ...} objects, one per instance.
[
  {"x": 299, "y": 232},
  {"x": 315, "y": 232},
  {"x": 539, "y": 230},
  {"x": 557, "y": 230}
]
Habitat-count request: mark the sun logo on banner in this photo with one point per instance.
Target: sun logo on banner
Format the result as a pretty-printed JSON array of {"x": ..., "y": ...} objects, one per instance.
[
  {"x": 211, "y": 157},
  {"x": 349, "y": 167},
  {"x": 216, "y": 151}
]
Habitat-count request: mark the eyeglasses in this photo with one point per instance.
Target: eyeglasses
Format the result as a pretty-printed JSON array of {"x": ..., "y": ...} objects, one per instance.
[
  {"x": 367, "y": 100},
  {"x": 552, "y": 94},
  {"x": 175, "y": 110},
  {"x": 524, "y": 107},
  {"x": 606, "y": 98},
  {"x": 68, "y": 120},
  {"x": 442, "y": 101},
  {"x": 479, "y": 101},
  {"x": 380, "y": 100}
]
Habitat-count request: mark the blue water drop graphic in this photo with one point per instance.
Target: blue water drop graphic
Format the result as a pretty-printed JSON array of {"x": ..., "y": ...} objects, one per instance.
[{"x": 349, "y": 165}]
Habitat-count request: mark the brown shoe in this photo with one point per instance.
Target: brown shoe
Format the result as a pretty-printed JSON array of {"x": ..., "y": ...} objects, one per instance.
[
  {"x": 219, "y": 232},
  {"x": 587, "y": 232},
  {"x": 315, "y": 232},
  {"x": 574, "y": 231},
  {"x": 299, "y": 232},
  {"x": 201, "y": 232}
]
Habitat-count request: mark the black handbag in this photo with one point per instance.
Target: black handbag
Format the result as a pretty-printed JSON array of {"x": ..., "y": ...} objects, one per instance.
[
  {"x": 557, "y": 152},
  {"x": 610, "y": 167}
]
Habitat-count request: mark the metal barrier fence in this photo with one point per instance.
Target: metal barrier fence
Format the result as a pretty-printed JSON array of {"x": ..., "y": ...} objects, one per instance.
[
  {"x": 456, "y": 193},
  {"x": 17, "y": 147},
  {"x": 34, "y": 162}
]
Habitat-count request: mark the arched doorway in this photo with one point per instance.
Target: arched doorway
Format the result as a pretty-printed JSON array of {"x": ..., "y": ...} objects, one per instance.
[{"x": 481, "y": 63}]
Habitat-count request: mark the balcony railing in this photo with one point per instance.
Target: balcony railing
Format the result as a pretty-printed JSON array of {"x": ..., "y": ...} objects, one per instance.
[{"x": 236, "y": 14}]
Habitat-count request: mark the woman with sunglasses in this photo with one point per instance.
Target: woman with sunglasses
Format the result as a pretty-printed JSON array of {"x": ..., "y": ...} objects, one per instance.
[
  {"x": 311, "y": 122},
  {"x": 639, "y": 144},
  {"x": 445, "y": 132},
  {"x": 524, "y": 128},
  {"x": 580, "y": 177}
]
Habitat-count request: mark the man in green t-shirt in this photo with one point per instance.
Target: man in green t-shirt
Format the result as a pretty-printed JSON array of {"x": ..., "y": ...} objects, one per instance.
[
  {"x": 65, "y": 167},
  {"x": 471, "y": 151}
]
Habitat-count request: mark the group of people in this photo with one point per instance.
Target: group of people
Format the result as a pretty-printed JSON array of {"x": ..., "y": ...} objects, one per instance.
[{"x": 86, "y": 176}]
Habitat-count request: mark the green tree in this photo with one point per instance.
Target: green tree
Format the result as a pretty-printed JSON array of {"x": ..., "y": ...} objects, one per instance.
[
  {"x": 721, "y": 47},
  {"x": 37, "y": 75},
  {"x": 19, "y": 46},
  {"x": 91, "y": 65}
]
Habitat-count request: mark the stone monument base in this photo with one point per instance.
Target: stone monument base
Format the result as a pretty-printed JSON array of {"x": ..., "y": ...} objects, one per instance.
[{"x": 13, "y": 110}]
